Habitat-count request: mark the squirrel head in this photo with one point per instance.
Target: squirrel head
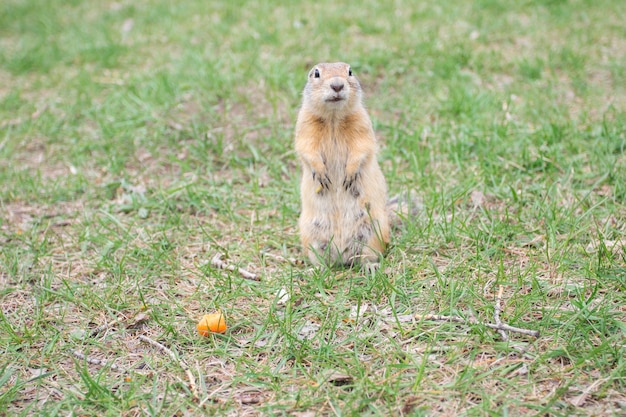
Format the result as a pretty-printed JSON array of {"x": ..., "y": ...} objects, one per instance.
[{"x": 332, "y": 90}]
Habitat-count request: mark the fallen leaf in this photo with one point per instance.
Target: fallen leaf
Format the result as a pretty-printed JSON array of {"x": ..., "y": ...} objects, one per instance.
[
  {"x": 127, "y": 25},
  {"x": 478, "y": 198},
  {"x": 282, "y": 297},
  {"x": 37, "y": 372},
  {"x": 409, "y": 404},
  {"x": 535, "y": 242},
  {"x": 358, "y": 311},
  {"x": 251, "y": 398},
  {"x": 138, "y": 320},
  {"x": 308, "y": 331},
  {"x": 339, "y": 378}
]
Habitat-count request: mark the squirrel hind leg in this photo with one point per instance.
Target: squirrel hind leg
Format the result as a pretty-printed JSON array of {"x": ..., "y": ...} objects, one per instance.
[
  {"x": 324, "y": 253},
  {"x": 365, "y": 250},
  {"x": 353, "y": 252},
  {"x": 368, "y": 260},
  {"x": 319, "y": 252},
  {"x": 371, "y": 254},
  {"x": 370, "y": 267}
]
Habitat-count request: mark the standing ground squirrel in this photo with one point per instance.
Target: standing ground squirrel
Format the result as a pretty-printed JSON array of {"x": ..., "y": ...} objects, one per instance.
[{"x": 344, "y": 219}]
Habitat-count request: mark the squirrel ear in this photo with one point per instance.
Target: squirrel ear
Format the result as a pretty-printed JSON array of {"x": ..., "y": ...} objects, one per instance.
[{"x": 349, "y": 72}]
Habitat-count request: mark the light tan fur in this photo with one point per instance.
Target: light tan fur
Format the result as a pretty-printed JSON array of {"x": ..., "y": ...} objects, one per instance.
[{"x": 344, "y": 219}]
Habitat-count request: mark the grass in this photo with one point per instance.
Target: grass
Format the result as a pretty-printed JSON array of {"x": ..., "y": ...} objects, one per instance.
[{"x": 138, "y": 139}]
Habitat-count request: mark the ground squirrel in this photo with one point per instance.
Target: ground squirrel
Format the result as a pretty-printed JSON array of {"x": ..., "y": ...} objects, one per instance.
[{"x": 344, "y": 219}]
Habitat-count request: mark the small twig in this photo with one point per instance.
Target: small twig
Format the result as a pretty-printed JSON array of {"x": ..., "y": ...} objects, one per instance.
[
  {"x": 496, "y": 313},
  {"x": 106, "y": 326},
  {"x": 487, "y": 286},
  {"x": 94, "y": 361},
  {"x": 454, "y": 319},
  {"x": 580, "y": 400},
  {"x": 181, "y": 363},
  {"x": 39, "y": 112},
  {"x": 279, "y": 258},
  {"x": 218, "y": 263},
  {"x": 137, "y": 319},
  {"x": 206, "y": 399},
  {"x": 210, "y": 396}
]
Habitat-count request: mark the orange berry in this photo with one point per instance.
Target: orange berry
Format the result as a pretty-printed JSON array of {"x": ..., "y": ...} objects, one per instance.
[{"x": 212, "y": 323}]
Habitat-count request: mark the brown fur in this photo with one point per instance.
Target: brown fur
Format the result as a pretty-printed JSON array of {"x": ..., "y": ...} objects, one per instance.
[{"x": 344, "y": 218}]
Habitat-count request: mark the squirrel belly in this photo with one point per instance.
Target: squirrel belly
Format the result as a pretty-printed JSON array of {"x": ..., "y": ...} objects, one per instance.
[
  {"x": 344, "y": 217},
  {"x": 341, "y": 226}
]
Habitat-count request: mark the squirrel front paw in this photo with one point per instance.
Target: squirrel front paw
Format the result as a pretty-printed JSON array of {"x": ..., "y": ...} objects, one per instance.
[
  {"x": 323, "y": 181},
  {"x": 350, "y": 184}
]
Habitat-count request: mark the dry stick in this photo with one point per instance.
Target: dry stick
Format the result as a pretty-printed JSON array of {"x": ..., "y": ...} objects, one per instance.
[
  {"x": 279, "y": 258},
  {"x": 501, "y": 326},
  {"x": 139, "y": 318},
  {"x": 192, "y": 380},
  {"x": 210, "y": 396},
  {"x": 218, "y": 263},
  {"x": 496, "y": 313},
  {"x": 106, "y": 326},
  {"x": 94, "y": 361}
]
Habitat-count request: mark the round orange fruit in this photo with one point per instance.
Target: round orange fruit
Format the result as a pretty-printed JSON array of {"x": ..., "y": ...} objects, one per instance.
[{"x": 212, "y": 323}]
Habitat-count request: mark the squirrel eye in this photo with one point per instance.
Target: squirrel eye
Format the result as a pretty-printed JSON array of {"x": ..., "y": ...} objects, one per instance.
[
  {"x": 316, "y": 73},
  {"x": 350, "y": 72}
]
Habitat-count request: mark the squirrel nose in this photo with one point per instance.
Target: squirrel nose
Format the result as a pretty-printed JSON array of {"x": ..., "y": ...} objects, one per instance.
[{"x": 337, "y": 85}]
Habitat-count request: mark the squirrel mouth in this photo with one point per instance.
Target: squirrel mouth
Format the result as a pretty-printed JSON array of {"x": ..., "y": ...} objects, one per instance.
[{"x": 335, "y": 99}]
